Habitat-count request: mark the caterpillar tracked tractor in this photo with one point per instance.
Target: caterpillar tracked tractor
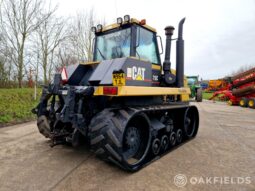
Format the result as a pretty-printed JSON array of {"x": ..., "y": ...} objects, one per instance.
[{"x": 125, "y": 105}]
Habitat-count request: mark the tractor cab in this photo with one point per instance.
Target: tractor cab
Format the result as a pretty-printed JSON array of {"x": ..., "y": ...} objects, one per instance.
[
  {"x": 126, "y": 38},
  {"x": 192, "y": 80},
  {"x": 126, "y": 53}
]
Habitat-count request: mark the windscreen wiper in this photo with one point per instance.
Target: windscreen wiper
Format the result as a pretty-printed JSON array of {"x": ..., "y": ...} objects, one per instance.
[{"x": 101, "y": 54}]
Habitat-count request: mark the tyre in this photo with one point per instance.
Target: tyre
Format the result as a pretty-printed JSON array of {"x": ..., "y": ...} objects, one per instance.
[
  {"x": 243, "y": 102},
  {"x": 122, "y": 137},
  {"x": 43, "y": 126},
  {"x": 199, "y": 95},
  {"x": 251, "y": 103}
]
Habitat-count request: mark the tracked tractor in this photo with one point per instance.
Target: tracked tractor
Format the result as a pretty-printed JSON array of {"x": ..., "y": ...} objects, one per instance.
[{"x": 127, "y": 106}]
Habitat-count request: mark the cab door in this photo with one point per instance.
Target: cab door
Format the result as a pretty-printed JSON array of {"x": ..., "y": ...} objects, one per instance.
[{"x": 147, "y": 49}]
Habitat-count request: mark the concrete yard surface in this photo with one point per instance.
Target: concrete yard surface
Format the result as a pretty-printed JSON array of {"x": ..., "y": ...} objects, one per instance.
[{"x": 221, "y": 157}]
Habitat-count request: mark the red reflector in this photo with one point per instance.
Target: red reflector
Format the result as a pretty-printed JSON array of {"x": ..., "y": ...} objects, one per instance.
[
  {"x": 64, "y": 75},
  {"x": 110, "y": 90},
  {"x": 143, "y": 22}
]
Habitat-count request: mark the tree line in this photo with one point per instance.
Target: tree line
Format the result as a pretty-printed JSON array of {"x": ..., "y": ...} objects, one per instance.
[{"x": 34, "y": 41}]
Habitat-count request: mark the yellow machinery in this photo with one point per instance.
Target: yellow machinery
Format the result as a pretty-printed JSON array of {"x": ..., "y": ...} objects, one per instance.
[{"x": 125, "y": 105}]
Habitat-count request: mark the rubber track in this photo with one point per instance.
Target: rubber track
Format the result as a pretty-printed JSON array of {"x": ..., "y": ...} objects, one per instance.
[
  {"x": 107, "y": 128},
  {"x": 105, "y": 133}
]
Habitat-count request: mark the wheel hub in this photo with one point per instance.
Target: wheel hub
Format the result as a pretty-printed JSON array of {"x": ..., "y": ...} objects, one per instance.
[{"x": 132, "y": 139}]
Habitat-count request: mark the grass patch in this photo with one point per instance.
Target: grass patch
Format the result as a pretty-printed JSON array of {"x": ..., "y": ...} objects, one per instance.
[
  {"x": 207, "y": 95},
  {"x": 16, "y": 105}
]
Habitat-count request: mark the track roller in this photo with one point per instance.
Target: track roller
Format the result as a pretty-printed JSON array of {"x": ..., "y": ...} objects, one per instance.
[
  {"x": 179, "y": 135},
  {"x": 164, "y": 142},
  {"x": 155, "y": 146},
  {"x": 172, "y": 138}
]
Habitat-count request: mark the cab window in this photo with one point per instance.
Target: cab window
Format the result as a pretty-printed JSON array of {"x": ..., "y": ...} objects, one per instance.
[
  {"x": 146, "y": 47},
  {"x": 113, "y": 45}
]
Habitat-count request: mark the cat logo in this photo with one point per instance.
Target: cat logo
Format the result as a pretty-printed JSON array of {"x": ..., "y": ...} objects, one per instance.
[{"x": 136, "y": 73}]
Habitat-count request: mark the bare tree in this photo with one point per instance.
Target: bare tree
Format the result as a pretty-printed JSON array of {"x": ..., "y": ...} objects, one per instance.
[
  {"x": 242, "y": 69},
  {"x": 5, "y": 62},
  {"x": 65, "y": 56},
  {"x": 19, "y": 18},
  {"x": 80, "y": 35},
  {"x": 50, "y": 34}
]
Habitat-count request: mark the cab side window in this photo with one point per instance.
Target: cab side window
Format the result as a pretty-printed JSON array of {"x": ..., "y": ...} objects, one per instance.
[{"x": 146, "y": 48}]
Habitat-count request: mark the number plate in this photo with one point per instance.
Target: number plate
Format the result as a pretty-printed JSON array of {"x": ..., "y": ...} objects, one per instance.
[{"x": 118, "y": 79}]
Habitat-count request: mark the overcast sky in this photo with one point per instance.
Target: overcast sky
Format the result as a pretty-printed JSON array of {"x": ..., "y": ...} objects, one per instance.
[{"x": 219, "y": 34}]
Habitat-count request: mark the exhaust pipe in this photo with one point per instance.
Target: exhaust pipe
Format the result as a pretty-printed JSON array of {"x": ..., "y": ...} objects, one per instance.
[
  {"x": 169, "y": 78},
  {"x": 180, "y": 56}
]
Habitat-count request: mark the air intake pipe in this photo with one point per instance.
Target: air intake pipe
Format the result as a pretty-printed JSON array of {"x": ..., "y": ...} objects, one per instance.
[
  {"x": 180, "y": 56},
  {"x": 169, "y": 78}
]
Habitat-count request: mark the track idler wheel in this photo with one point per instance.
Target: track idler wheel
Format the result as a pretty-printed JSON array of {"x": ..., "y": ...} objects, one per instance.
[
  {"x": 155, "y": 146},
  {"x": 164, "y": 142},
  {"x": 191, "y": 122},
  {"x": 172, "y": 138}
]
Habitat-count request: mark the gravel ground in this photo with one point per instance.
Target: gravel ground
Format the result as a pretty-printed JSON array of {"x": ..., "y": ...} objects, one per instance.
[{"x": 221, "y": 157}]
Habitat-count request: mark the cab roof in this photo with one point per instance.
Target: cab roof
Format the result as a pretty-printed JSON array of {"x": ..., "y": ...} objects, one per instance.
[{"x": 132, "y": 21}]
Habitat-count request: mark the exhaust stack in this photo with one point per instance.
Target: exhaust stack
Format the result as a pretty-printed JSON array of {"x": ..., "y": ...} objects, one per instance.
[{"x": 180, "y": 56}]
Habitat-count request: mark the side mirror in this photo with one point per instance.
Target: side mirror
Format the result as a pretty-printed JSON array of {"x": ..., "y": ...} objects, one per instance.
[{"x": 161, "y": 44}]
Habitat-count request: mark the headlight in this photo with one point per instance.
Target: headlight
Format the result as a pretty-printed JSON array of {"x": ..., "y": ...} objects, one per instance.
[
  {"x": 119, "y": 20},
  {"x": 93, "y": 29},
  {"x": 126, "y": 18},
  {"x": 99, "y": 28}
]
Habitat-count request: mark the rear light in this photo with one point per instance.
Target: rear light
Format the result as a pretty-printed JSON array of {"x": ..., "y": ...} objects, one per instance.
[
  {"x": 143, "y": 22},
  {"x": 64, "y": 75},
  {"x": 110, "y": 90}
]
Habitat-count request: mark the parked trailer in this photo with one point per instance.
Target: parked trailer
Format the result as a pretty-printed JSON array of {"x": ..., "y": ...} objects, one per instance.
[{"x": 241, "y": 90}]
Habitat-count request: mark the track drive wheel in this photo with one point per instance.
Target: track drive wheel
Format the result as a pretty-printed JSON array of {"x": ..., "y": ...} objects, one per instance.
[
  {"x": 121, "y": 136},
  {"x": 243, "y": 102}
]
